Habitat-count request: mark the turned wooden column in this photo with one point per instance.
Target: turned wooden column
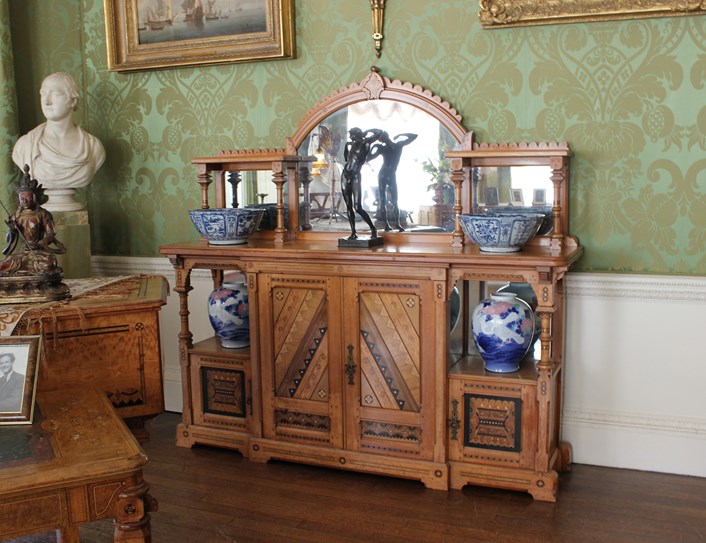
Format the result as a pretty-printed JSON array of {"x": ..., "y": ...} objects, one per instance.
[
  {"x": 279, "y": 178},
  {"x": 204, "y": 179},
  {"x": 457, "y": 179}
]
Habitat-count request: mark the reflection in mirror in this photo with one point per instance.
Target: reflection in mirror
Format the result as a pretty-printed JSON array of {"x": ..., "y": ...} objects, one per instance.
[
  {"x": 425, "y": 193},
  {"x": 255, "y": 189},
  {"x": 507, "y": 188}
]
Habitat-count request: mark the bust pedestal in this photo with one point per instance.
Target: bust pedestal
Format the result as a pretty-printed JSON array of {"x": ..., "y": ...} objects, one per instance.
[
  {"x": 73, "y": 230},
  {"x": 62, "y": 200}
]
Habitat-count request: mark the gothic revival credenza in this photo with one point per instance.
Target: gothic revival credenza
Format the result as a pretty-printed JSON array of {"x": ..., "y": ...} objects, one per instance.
[{"x": 362, "y": 358}]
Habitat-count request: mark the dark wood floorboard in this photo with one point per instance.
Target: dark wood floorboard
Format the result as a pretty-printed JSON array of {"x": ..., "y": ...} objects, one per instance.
[{"x": 210, "y": 495}]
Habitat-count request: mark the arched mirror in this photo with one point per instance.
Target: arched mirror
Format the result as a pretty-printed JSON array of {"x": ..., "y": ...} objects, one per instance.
[{"x": 422, "y": 125}]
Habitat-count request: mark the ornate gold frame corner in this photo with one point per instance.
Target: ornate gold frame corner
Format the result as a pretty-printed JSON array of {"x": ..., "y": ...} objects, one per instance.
[
  {"x": 508, "y": 13},
  {"x": 126, "y": 53}
]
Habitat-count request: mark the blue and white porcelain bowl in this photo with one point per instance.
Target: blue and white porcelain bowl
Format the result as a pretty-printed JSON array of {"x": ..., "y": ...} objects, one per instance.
[
  {"x": 227, "y": 226},
  {"x": 501, "y": 232}
]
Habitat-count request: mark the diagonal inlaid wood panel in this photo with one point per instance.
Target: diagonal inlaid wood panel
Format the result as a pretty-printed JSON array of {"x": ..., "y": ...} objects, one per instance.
[
  {"x": 300, "y": 338},
  {"x": 390, "y": 352}
]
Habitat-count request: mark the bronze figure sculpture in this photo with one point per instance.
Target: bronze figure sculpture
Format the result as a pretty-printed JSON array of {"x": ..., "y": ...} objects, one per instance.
[
  {"x": 356, "y": 155},
  {"x": 391, "y": 151}
]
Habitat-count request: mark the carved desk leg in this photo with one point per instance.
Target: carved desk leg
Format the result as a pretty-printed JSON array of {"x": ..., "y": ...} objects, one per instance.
[{"x": 132, "y": 519}]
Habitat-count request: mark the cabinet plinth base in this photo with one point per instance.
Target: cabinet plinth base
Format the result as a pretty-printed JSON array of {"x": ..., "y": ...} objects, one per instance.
[
  {"x": 433, "y": 475},
  {"x": 542, "y": 486},
  {"x": 188, "y": 435},
  {"x": 565, "y": 455}
]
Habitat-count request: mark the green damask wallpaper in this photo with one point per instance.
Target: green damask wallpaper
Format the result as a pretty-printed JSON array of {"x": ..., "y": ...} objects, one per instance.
[{"x": 628, "y": 97}]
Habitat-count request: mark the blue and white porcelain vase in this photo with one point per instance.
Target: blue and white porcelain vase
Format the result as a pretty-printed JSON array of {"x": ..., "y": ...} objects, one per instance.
[
  {"x": 503, "y": 326},
  {"x": 526, "y": 293},
  {"x": 229, "y": 313}
]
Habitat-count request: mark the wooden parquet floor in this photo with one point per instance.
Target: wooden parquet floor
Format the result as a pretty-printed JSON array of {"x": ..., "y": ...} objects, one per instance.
[{"x": 210, "y": 495}]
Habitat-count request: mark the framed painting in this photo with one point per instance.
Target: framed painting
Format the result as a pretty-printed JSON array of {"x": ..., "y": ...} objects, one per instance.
[
  {"x": 539, "y": 197},
  {"x": 156, "y": 34},
  {"x": 516, "y": 198},
  {"x": 491, "y": 196},
  {"x": 19, "y": 365},
  {"x": 505, "y": 13}
]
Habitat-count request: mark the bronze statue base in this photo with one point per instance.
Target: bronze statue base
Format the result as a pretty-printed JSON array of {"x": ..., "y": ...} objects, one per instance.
[
  {"x": 23, "y": 289},
  {"x": 360, "y": 242}
]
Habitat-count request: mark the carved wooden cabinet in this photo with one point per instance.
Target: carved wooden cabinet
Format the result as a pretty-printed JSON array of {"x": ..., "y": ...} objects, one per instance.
[
  {"x": 105, "y": 337},
  {"x": 349, "y": 370},
  {"x": 494, "y": 429},
  {"x": 352, "y": 362},
  {"x": 221, "y": 393}
]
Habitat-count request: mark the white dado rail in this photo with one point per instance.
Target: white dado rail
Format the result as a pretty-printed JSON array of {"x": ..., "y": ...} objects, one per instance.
[{"x": 634, "y": 374}]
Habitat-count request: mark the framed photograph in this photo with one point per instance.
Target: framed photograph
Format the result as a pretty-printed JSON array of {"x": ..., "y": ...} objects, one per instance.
[
  {"x": 516, "y": 197},
  {"x": 539, "y": 197},
  {"x": 491, "y": 196},
  {"x": 19, "y": 368},
  {"x": 155, "y": 34}
]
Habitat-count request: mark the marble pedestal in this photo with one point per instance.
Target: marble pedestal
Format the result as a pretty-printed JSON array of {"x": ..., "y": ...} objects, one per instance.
[{"x": 73, "y": 230}]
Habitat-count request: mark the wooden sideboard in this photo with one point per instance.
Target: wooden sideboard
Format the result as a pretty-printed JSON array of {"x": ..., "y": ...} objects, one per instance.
[
  {"x": 354, "y": 362},
  {"x": 351, "y": 366},
  {"x": 107, "y": 338}
]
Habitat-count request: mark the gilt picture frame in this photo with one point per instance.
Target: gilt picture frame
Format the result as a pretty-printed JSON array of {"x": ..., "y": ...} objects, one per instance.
[
  {"x": 19, "y": 368},
  {"x": 159, "y": 34},
  {"x": 508, "y": 13}
]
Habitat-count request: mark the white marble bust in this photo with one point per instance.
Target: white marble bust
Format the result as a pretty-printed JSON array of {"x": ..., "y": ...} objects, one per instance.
[{"x": 60, "y": 154}]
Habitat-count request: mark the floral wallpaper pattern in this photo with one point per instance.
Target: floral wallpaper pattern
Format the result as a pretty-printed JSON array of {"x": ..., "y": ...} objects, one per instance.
[
  {"x": 8, "y": 108},
  {"x": 627, "y": 95}
]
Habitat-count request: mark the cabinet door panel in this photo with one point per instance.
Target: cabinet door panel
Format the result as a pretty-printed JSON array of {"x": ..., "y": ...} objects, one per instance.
[
  {"x": 297, "y": 360},
  {"x": 221, "y": 391},
  {"x": 391, "y": 353},
  {"x": 301, "y": 343},
  {"x": 390, "y": 361}
]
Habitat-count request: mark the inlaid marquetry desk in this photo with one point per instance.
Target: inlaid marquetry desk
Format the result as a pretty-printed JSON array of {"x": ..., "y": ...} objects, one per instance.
[
  {"x": 76, "y": 463},
  {"x": 106, "y": 336}
]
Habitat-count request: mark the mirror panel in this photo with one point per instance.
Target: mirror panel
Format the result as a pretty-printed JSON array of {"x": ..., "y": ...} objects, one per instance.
[
  {"x": 514, "y": 188},
  {"x": 255, "y": 189},
  {"x": 422, "y": 168}
]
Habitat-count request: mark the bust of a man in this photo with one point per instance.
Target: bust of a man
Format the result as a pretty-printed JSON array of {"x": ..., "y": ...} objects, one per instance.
[{"x": 61, "y": 155}]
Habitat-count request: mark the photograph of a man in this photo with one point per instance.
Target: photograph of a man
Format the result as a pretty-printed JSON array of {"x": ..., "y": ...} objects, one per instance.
[{"x": 11, "y": 384}]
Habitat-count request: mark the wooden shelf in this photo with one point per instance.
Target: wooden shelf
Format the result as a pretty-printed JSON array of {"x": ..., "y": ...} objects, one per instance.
[
  {"x": 472, "y": 366},
  {"x": 212, "y": 345}
]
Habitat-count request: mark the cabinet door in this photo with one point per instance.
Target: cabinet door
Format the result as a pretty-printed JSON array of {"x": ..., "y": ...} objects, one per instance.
[
  {"x": 389, "y": 367},
  {"x": 300, "y": 366},
  {"x": 221, "y": 388},
  {"x": 496, "y": 417}
]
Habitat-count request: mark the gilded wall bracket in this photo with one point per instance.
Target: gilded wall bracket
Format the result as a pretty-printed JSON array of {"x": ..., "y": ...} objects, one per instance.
[{"x": 378, "y": 10}]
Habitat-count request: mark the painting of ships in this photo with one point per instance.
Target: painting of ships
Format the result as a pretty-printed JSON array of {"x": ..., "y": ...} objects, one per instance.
[
  {"x": 212, "y": 13},
  {"x": 193, "y": 11},
  {"x": 159, "y": 14}
]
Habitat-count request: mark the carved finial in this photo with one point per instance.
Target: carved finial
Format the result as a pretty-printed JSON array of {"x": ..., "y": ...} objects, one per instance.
[{"x": 373, "y": 84}]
